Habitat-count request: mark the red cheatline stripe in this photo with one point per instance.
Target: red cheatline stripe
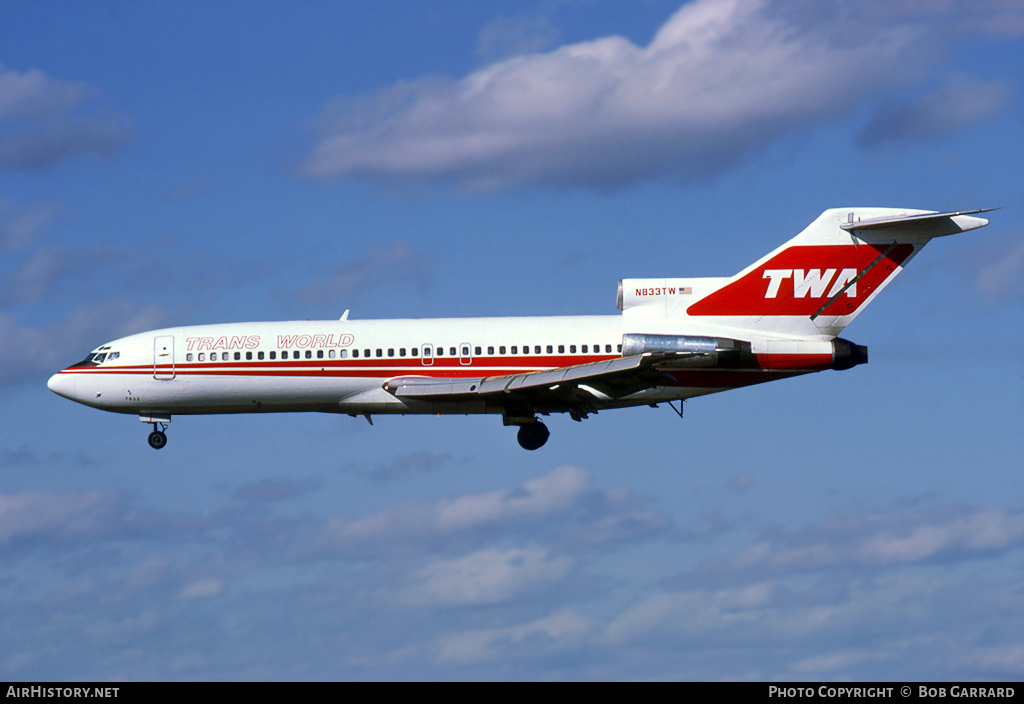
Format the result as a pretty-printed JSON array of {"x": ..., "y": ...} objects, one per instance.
[
  {"x": 776, "y": 364},
  {"x": 512, "y": 364}
]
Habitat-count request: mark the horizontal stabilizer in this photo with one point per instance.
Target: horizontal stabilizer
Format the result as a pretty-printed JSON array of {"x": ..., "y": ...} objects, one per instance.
[{"x": 926, "y": 224}]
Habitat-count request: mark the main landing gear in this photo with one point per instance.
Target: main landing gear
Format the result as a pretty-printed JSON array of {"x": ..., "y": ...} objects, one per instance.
[
  {"x": 533, "y": 435},
  {"x": 158, "y": 438}
]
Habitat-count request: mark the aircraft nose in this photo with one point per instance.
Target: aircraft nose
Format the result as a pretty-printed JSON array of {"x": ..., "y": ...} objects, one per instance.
[{"x": 63, "y": 385}]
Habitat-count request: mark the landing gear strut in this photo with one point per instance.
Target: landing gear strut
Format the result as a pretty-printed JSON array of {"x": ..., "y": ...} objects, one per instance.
[
  {"x": 158, "y": 438},
  {"x": 532, "y": 436}
]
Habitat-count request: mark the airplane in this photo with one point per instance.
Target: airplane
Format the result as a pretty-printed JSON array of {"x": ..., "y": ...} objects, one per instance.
[{"x": 674, "y": 339}]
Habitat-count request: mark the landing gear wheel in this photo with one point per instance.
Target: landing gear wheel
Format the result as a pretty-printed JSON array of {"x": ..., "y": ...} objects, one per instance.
[
  {"x": 157, "y": 439},
  {"x": 532, "y": 436}
]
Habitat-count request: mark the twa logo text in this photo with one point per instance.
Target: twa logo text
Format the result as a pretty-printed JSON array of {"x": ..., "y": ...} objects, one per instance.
[{"x": 811, "y": 281}]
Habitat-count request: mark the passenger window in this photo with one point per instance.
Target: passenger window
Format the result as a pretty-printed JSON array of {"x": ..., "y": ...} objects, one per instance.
[
  {"x": 213, "y": 356},
  {"x": 550, "y": 350},
  {"x": 355, "y": 353},
  {"x": 380, "y": 352},
  {"x": 366, "y": 353},
  {"x": 401, "y": 351},
  {"x": 501, "y": 350},
  {"x": 330, "y": 354},
  {"x": 439, "y": 351},
  {"x": 238, "y": 355},
  {"x": 259, "y": 355},
  {"x": 202, "y": 356},
  {"x": 451, "y": 352},
  {"x": 344, "y": 354},
  {"x": 536, "y": 349},
  {"x": 273, "y": 354},
  {"x": 515, "y": 349},
  {"x": 584, "y": 350},
  {"x": 248, "y": 355},
  {"x": 188, "y": 357},
  {"x": 618, "y": 347},
  {"x": 607, "y": 348},
  {"x": 415, "y": 352},
  {"x": 561, "y": 349},
  {"x": 319, "y": 354},
  {"x": 477, "y": 351},
  {"x": 572, "y": 349}
]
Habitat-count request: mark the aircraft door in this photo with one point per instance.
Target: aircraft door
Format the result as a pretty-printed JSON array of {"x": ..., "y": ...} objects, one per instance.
[
  {"x": 163, "y": 357},
  {"x": 427, "y": 355},
  {"x": 465, "y": 353}
]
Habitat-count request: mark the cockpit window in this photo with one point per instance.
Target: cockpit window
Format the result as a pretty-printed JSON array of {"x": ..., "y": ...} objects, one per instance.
[
  {"x": 92, "y": 359},
  {"x": 112, "y": 356}
]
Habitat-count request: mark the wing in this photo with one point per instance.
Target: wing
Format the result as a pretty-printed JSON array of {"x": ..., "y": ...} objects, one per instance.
[{"x": 578, "y": 387}]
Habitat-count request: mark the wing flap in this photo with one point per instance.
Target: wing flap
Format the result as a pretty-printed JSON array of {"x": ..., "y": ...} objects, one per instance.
[
  {"x": 613, "y": 378},
  {"x": 647, "y": 361},
  {"x": 419, "y": 387}
]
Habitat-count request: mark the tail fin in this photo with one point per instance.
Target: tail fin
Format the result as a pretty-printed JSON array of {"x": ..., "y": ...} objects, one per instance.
[{"x": 820, "y": 280}]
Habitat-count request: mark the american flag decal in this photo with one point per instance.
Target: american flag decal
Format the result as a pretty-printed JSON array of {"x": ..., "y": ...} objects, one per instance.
[{"x": 685, "y": 289}]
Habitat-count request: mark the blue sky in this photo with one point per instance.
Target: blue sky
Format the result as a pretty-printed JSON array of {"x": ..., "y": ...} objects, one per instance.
[{"x": 191, "y": 163}]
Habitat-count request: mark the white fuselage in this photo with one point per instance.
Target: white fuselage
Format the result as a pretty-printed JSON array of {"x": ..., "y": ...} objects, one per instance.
[
  {"x": 340, "y": 366},
  {"x": 675, "y": 339}
]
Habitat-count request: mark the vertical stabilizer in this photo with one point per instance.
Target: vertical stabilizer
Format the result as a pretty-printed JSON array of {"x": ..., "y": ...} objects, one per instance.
[{"x": 818, "y": 282}]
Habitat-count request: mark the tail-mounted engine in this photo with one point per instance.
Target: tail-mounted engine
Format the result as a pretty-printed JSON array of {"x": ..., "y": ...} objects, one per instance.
[
  {"x": 705, "y": 352},
  {"x": 691, "y": 350}
]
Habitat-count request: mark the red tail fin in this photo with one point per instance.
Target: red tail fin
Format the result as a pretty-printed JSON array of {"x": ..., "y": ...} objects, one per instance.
[
  {"x": 810, "y": 280},
  {"x": 816, "y": 283}
]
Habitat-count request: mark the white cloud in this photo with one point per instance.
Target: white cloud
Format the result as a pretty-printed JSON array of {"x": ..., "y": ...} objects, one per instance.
[
  {"x": 414, "y": 522},
  {"x": 511, "y": 36},
  {"x": 44, "y": 120},
  {"x": 56, "y": 516},
  {"x": 998, "y": 269},
  {"x": 551, "y": 493},
  {"x": 23, "y": 226},
  {"x": 33, "y": 94},
  {"x": 694, "y": 612},
  {"x": 34, "y": 353},
  {"x": 486, "y": 577},
  {"x": 1007, "y": 660},
  {"x": 561, "y": 630},
  {"x": 126, "y": 628},
  {"x": 842, "y": 660},
  {"x": 201, "y": 589},
  {"x": 383, "y": 265},
  {"x": 963, "y": 101},
  {"x": 785, "y": 611},
  {"x": 948, "y": 534},
  {"x": 721, "y": 78}
]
